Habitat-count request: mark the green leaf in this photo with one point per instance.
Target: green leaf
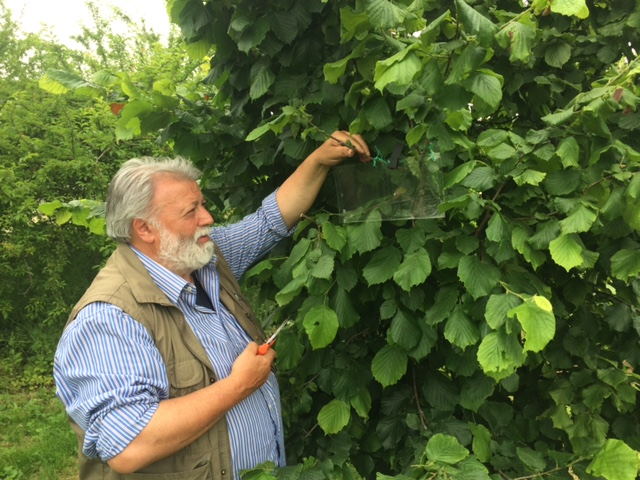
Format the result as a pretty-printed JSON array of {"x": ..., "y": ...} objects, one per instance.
[
  {"x": 198, "y": 50},
  {"x": 500, "y": 354},
  {"x": 625, "y": 264},
  {"x": 459, "y": 330},
  {"x": 323, "y": 267},
  {"x": 49, "y": 209},
  {"x": 615, "y": 461},
  {"x": 479, "y": 277},
  {"x": 348, "y": 316},
  {"x": 558, "y": 118},
  {"x": 531, "y": 458},
  {"x": 576, "y": 8},
  {"x": 389, "y": 365},
  {"x": 569, "y": 152},
  {"x": 566, "y": 251},
  {"x": 458, "y": 174},
  {"x": 445, "y": 449},
  {"x": 366, "y": 236},
  {"x": 476, "y": 24},
  {"x": 382, "y": 265},
  {"x": 414, "y": 270},
  {"x": 400, "y": 69},
  {"x": 580, "y": 220},
  {"x": 557, "y": 54},
  {"x": 361, "y": 403},
  {"x": 334, "y": 235},
  {"x": 63, "y": 216},
  {"x": 258, "y": 132},
  {"x": 404, "y": 330},
  {"x": 481, "y": 444},
  {"x": 487, "y": 86},
  {"x": 529, "y": 177},
  {"x": 335, "y": 70},
  {"x": 497, "y": 309},
  {"x": 518, "y": 38},
  {"x": 321, "y": 324},
  {"x": 262, "y": 77},
  {"x": 334, "y": 416},
  {"x": 290, "y": 291},
  {"x": 384, "y": 14},
  {"x": 537, "y": 320}
]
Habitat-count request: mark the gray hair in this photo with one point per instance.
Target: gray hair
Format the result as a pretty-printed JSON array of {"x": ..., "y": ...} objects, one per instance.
[{"x": 132, "y": 188}]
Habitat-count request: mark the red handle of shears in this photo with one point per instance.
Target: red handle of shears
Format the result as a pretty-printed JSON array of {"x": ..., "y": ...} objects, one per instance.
[{"x": 264, "y": 348}]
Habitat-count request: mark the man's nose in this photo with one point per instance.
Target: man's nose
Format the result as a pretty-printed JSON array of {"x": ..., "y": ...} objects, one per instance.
[{"x": 205, "y": 217}]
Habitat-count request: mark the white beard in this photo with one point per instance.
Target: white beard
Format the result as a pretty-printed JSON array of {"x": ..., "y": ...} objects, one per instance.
[{"x": 183, "y": 255}]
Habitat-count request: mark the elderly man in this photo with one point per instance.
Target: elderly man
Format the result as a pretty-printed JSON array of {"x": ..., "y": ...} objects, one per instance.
[{"x": 158, "y": 366}]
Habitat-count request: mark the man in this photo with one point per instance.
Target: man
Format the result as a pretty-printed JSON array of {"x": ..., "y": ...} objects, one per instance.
[{"x": 158, "y": 366}]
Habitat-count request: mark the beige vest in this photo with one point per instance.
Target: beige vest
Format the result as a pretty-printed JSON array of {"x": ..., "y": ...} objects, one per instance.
[{"x": 125, "y": 283}]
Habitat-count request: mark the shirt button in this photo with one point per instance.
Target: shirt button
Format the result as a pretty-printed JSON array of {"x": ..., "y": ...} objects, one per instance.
[
  {"x": 223, "y": 472},
  {"x": 212, "y": 380}
]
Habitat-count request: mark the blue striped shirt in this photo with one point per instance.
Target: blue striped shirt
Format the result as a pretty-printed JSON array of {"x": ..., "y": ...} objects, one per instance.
[{"x": 111, "y": 377}]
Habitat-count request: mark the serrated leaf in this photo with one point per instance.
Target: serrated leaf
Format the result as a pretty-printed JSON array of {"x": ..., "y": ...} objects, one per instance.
[
  {"x": 459, "y": 330},
  {"x": 518, "y": 38},
  {"x": 63, "y": 215},
  {"x": 476, "y": 24},
  {"x": 459, "y": 173},
  {"x": 285, "y": 26},
  {"x": 580, "y": 220},
  {"x": 532, "y": 459},
  {"x": 615, "y": 461},
  {"x": 475, "y": 391},
  {"x": 488, "y": 87},
  {"x": 570, "y": 8},
  {"x": 481, "y": 444},
  {"x": 557, "y": 54},
  {"x": 566, "y": 251},
  {"x": 321, "y": 324},
  {"x": 445, "y": 449},
  {"x": 479, "y": 277},
  {"x": 382, "y": 265},
  {"x": 290, "y": 291},
  {"x": 323, "y": 267},
  {"x": 558, "y": 118},
  {"x": 500, "y": 354},
  {"x": 414, "y": 269},
  {"x": 361, "y": 403},
  {"x": 366, "y": 236},
  {"x": 50, "y": 208},
  {"x": 404, "y": 330},
  {"x": 389, "y": 365},
  {"x": 334, "y": 235},
  {"x": 384, "y": 14},
  {"x": 569, "y": 152},
  {"x": 400, "y": 69},
  {"x": 348, "y": 316},
  {"x": 497, "y": 309},
  {"x": 625, "y": 264},
  {"x": 334, "y": 416},
  {"x": 529, "y": 177},
  {"x": 538, "y": 322},
  {"x": 262, "y": 77}
]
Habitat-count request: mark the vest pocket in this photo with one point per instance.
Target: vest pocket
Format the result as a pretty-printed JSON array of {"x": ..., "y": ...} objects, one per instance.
[
  {"x": 203, "y": 472},
  {"x": 185, "y": 376}
]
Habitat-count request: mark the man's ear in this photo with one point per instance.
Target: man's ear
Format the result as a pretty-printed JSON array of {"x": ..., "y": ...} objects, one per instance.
[{"x": 143, "y": 231}]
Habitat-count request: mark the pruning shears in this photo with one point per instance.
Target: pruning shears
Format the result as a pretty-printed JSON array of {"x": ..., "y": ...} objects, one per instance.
[{"x": 264, "y": 348}]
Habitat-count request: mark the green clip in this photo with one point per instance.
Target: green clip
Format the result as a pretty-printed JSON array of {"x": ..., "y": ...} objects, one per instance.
[{"x": 379, "y": 158}]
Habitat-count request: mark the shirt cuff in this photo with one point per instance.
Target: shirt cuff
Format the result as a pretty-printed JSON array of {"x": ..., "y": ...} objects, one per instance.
[{"x": 274, "y": 216}]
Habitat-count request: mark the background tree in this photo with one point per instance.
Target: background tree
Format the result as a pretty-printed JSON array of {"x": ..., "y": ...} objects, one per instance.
[
  {"x": 60, "y": 149},
  {"x": 500, "y": 341}
]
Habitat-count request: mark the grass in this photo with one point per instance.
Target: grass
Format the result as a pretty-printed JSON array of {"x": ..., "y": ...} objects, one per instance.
[{"x": 36, "y": 441}]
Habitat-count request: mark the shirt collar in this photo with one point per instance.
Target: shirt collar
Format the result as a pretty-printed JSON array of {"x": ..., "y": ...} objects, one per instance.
[{"x": 171, "y": 284}]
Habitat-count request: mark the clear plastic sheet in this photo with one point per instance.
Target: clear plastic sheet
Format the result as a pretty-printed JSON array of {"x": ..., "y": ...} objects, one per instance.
[{"x": 410, "y": 191}]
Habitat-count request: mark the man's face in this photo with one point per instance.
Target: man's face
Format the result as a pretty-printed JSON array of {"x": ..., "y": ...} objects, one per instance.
[{"x": 183, "y": 225}]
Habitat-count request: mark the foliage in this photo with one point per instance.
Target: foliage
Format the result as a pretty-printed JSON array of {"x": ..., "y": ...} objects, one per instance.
[
  {"x": 500, "y": 341},
  {"x": 58, "y": 148},
  {"x": 35, "y": 437}
]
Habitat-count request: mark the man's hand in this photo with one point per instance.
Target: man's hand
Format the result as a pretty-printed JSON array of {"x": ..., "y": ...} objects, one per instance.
[
  {"x": 250, "y": 371},
  {"x": 339, "y": 146}
]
